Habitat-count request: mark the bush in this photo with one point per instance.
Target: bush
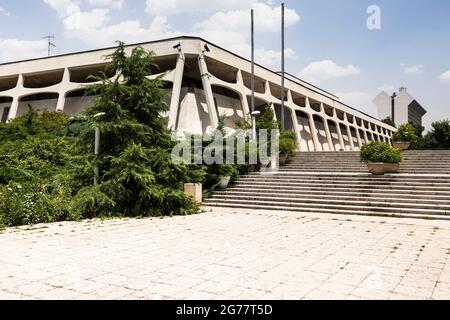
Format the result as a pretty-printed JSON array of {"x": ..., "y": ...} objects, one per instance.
[
  {"x": 287, "y": 143},
  {"x": 406, "y": 132},
  {"x": 228, "y": 170},
  {"x": 380, "y": 152}
]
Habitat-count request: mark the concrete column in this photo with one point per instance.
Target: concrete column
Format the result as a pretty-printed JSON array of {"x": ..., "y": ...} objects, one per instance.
[
  {"x": 366, "y": 136},
  {"x": 212, "y": 110},
  {"x": 176, "y": 92},
  {"x": 312, "y": 126},
  {"x": 16, "y": 99},
  {"x": 350, "y": 137},
  {"x": 358, "y": 135},
  {"x": 296, "y": 127},
  {"x": 62, "y": 92},
  {"x": 14, "y": 107},
  {"x": 341, "y": 137},
  {"x": 327, "y": 129},
  {"x": 244, "y": 101}
]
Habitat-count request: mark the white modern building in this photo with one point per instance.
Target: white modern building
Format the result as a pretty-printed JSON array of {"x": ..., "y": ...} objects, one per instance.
[
  {"x": 204, "y": 85},
  {"x": 402, "y": 108}
]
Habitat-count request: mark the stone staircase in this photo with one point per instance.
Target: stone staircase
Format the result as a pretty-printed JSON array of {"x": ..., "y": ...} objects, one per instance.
[
  {"x": 338, "y": 183},
  {"x": 426, "y": 162}
]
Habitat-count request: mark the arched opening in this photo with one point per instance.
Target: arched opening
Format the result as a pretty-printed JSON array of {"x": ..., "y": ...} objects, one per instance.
[
  {"x": 260, "y": 83},
  {"x": 221, "y": 70},
  {"x": 306, "y": 142},
  {"x": 5, "y": 107},
  {"x": 40, "y": 101},
  {"x": 321, "y": 133},
  {"x": 164, "y": 64},
  {"x": 363, "y": 137},
  {"x": 43, "y": 79},
  {"x": 86, "y": 74},
  {"x": 315, "y": 105},
  {"x": 8, "y": 82},
  {"x": 354, "y": 137},
  {"x": 328, "y": 110},
  {"x": 334, "y": 135},
  {"x": 340, "y": 115},
  {"x": 228, "y": 104},
  {"x": 345, "y": 136},
  {"x": 298, "y": 99},
  {"x": 288, "y": 122},
  {"x": 275, "y": 91},
  {"x": 77, "y": 101},
  {"x": 260, "y": 105}
]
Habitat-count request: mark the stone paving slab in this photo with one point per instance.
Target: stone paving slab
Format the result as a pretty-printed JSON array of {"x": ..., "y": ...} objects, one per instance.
[{"x": 228, "y": 254}]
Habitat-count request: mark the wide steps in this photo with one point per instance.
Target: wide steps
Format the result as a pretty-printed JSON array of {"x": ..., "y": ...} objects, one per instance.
[{"x": 339, "y": 183}]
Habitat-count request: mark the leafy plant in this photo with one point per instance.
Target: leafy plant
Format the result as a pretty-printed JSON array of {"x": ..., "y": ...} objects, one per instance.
[
  {"x": 228, "y": 170},
  {"x": 389, "y": 121},
  {"x": 406, "y": 132},
  {"x": 380, "y": 152}
]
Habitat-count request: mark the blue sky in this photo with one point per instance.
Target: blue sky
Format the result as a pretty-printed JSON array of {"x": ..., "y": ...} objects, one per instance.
[{"x": 328, "y": 41}]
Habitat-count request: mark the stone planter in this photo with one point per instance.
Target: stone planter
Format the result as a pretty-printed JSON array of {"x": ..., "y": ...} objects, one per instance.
[
  {"x": 402, "y": 145},
  {"x": 381, "y": 168},
  {"x": 224, "y": 182},
  {"x": 283, "y": 159},
  {"x": 195, "y": 191}
]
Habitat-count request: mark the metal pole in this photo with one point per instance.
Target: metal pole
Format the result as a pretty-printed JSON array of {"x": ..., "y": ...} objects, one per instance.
[
  {"x": 253, "y": 75},
  {"x": 282, "y": 68},
  {"x": 96, "y": 153}
]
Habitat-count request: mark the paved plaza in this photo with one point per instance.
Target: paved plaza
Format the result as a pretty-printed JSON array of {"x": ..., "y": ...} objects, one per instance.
[{"x": 229, "y": 254}]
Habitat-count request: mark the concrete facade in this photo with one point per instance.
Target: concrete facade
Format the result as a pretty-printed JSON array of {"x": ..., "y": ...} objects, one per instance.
[
  {"x": 204, "y": 85},
  {"x": 402, "y": 108}
]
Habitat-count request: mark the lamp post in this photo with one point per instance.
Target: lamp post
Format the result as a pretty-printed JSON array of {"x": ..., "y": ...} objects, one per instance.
[
  {"x": 254, "y": 133},
  {"x": 97, "y": 149}
]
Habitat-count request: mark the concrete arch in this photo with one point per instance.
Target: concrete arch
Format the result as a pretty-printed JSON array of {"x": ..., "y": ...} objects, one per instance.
[{"x": 5, "y": 107}]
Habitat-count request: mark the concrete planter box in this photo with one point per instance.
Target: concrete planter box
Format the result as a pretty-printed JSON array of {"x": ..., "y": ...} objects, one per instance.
[
  {"x": 195, "y": 191},
  {"x": 224, "y": 182},
  {"x": 402, "y": 145},
  {"x": 381, "y": 168}
]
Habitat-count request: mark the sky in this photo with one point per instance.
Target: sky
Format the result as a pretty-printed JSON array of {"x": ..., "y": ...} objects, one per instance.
[{"x": 353, "y": 48}]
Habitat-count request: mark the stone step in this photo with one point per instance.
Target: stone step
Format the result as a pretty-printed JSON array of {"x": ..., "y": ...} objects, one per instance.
[
  {"x": 298, "y": 199},
  {"x": 442, "y": 201},
  {"x": 343, "y": 181},
  {"x": 346, "y": 186},
  {"x": 368, "y": 207},
  {"x": 334, "y": 211},
  {"x": 338, "y": 194}
]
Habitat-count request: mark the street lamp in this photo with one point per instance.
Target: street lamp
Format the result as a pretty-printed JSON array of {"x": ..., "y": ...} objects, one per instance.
[
  {"x": 97, "y": 149},
  {"x": 254, "y": 115}
]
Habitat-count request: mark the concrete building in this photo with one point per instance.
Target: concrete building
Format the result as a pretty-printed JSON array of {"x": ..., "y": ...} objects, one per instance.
[
  {"x": 402, "y": 108},
  {"x": 204, "y": 85}
]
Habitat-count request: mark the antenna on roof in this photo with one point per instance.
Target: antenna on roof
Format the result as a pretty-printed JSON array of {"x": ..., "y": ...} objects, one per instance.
[{"x": 51, "y": 44}]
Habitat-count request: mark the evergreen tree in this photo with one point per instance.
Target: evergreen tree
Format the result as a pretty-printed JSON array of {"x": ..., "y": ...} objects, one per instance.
[{"x": 137, "y": 175}]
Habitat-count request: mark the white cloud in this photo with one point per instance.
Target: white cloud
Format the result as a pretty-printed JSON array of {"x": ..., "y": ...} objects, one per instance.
[
  {"x": 230, "y": 29},
  {"x": 14, "y": 49},
  {"x": 327, "y": 69},
  {"x": 387, "y": 88},
  {"x": 267, "y": 19},
  {"x": 445, "y": 77},
  {"x": 116, "y": 4},
  {"x": 4, "y": 12},
  {"x": 174, "y": 7},
  {"x": 359, "y": 100},
  {"x": 414, "y": 70}
]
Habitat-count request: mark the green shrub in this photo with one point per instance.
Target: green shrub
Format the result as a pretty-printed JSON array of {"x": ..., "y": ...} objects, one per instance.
[
  {"x": 406, "y": 132},
  {"x": 228, "y": 170},
  {"x": 380, "y": 152},
  {"x": 287, "y": 147}
]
